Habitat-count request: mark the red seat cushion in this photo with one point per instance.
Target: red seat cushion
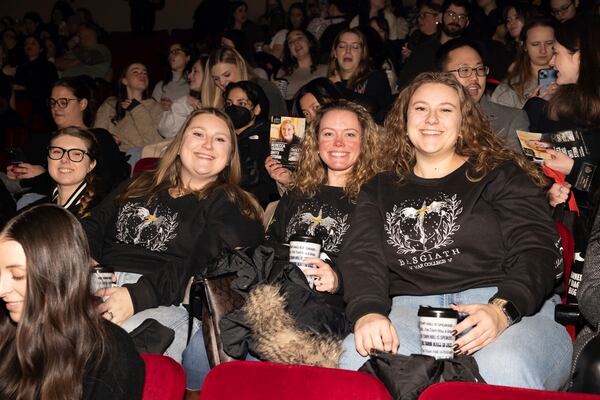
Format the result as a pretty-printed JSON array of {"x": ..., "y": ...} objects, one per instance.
[
  {"x": 252, "y": 380},
  {"x": 479, "y": 391},
  {"x": 165, "y": 378}
]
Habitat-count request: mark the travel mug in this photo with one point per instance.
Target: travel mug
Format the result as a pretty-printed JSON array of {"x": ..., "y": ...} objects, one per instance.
[
  {"x": 302, "y": 247},
  {"x": 436, "y": 326}
]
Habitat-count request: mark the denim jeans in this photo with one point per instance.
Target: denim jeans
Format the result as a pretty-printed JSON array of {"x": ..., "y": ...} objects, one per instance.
[
  {"x": 174, "y": 317},
  {"x": 534, "y": 353},
  {"x": 195, "y": 362}
]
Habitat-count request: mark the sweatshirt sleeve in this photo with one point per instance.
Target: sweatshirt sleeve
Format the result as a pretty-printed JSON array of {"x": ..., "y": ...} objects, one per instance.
[
  {"x": 104, "y": 114},
  {"x": 362, "y": 261},
  {"x": 278, "y": 224},
  {"x": 172, "y": 120},
  {"x": 533, "y": 261},
  {"x": 588, "y": 294},
  {"x": 102, "y": 216}
]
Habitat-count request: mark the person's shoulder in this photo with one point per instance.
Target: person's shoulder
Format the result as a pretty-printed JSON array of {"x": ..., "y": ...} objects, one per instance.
[
  {"x": 501, "y": 110},
  {"x": 109, "y": 102}
]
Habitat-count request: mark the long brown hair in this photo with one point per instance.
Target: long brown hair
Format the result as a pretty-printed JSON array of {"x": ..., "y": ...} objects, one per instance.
[
  {"x": 519, "y": 75},
  {"x": 167, "y": 174},
  {"x": 363, "y": 66},
  {"x": 483, "y": 148},
  {"x": 60, "y": 335},
  {"x": 312, "y": 171}
]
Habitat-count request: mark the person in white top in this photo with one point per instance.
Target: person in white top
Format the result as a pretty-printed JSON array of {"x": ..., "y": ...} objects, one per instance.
[
  {"x": 297, "y": 19},
  {"x": 175, "y": 84}
]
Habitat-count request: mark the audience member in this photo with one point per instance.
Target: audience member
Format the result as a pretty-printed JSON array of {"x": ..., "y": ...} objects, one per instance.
[
  {"x": 368, "y": 9},
  {"x": 296, "y": 19},
  {"x": 521, "y": 83},
  {"x": 273, "y": 19},
  {"x": 238, "y": 19},
  {"x": 61, "y": 11},
  {"x": 325, "y": 29},
  {"x": 175, "y": 83},
  {"x": 455, "y": 21},
  {"x": 516, "y": 15},
  {"x": 226, "y": 65},
  {"x": 172, "y": 120},
  {"x": 248, "y": 107},
  {"x": 350, "y": 70},
  {"x": 236, "y": 39},
  {"x": 563, "y": 10},
  {"x": 88, "y": 58},
  {"x": 428, "y": 19},
  {"x": 463, "y": 58},
  {"x": 33, "y": 23},
  {"x": 452, "y": 171},
  {"x": 70, "y": 104},
  {"x": 132, "y": 116},
  {"x": 300, "y": 61},
  {"x": 484, "y": 19},
  {"x": 168, "y": 224},
  {"x": 54, "y": 344}
]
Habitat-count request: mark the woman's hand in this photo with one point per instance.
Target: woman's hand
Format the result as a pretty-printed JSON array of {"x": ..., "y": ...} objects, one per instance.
[
  {"x": 125, "y": 104},
  {"x": 375, "y": 331},
  {"x": 24, "y": 171},
  {"x": 278, "y": 172},
  {"x": 558, "y": 193},
  {"x": 406, "y": 51},
  {"x": 544, "y": 94},
  {"x": 326, "y": 280},
  {"x": 487, "y": 322},
  {"x": 166, "y": 103},
  {"x": 118, "y": 307},
  {"x": 560, "y": 162},
  {"x": 194, "y": 102}
]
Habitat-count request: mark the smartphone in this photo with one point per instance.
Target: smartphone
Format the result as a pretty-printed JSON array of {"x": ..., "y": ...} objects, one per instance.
[
  {"x": 546, "y": 77},
  {"x": 15, "y": 156}
]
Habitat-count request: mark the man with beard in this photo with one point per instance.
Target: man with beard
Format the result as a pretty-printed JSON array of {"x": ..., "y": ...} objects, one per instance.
[
  {"x": 455, "y": 20},
  {"x": 463, "y": 58}
]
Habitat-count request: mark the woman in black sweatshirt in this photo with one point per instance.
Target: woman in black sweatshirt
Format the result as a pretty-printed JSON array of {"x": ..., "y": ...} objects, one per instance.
[{"x": 461, "y": 223}]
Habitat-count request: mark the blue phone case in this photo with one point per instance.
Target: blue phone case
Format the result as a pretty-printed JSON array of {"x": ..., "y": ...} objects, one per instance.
[{"x": 546, "y": 77}]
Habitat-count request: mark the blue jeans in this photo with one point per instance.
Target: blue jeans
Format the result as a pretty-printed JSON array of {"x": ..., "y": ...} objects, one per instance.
[
  {"x": 195, "y": 362},
  {"x": 534, "y": 353},
  {"x": 174, "y": 317}
]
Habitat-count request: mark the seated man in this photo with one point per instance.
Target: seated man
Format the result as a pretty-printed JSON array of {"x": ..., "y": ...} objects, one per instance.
[
  {"x": 88, "y": 58},
  {"x": 463, "y": 58}
]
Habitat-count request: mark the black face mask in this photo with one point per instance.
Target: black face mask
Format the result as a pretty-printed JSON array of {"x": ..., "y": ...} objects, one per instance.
[{"x": 240, "y": 116}]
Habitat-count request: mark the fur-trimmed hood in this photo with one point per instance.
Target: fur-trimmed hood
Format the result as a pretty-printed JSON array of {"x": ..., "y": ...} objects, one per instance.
[{"x": 276, "y": 335}]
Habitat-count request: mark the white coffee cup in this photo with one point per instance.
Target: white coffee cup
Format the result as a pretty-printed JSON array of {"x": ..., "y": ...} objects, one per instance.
[
  {"x": 436, "y": 326},
  {"x": 301, "y": 248}
]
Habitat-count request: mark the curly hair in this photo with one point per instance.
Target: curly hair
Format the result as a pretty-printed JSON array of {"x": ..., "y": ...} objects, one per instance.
[
  {"x": 477, "y": 140},
  {"x": 312, "y": 171}
]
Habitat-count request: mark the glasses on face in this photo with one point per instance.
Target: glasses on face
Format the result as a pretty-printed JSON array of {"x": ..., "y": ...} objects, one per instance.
[
  {"x": 57, "y": 153},
  {"x": 241, "y": 102},
  {"x": 561, "y": 10},
  {"x": 460, "y": 17},
  {"x": 61, "y": 102},
  {"x": 466, "y": 72},
  {"x": 424, "y": 14},
  {"x": 175, "y": 51}
]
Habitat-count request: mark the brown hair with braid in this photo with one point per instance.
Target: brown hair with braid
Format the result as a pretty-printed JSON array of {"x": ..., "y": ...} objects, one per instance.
[
  {"x": 59, "y": 336},
  {"x": 312, "y": 171},
  {"x": 167, "y": 175},
  {"x": 91, "y": 144},
  {"x": 483, "y": 148}
]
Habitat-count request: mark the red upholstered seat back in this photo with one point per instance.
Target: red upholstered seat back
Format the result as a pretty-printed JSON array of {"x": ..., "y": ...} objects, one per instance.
[
  {"x": 252, "y": 380},
  {"x": 165, "y": 378},
  {"x": 478, "y": 391}
]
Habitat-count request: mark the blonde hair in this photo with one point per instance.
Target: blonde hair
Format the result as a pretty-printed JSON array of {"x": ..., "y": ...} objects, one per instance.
[
  {"x": 284, "y": 123},
  {"x": 212, "y": 95},
  {"x": 476, "y": 141},
  {"x": 312, "y": 171},
  {"x": 167, "y": 174}
]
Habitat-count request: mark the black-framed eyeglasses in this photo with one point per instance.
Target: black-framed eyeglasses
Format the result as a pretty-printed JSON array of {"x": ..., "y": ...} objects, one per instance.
[
  {"x": 57, "y": 153},
  {"x": 466, "y": 72},
  {"x": 561, "y": 10},
  {"x": 61, "y": 102},
  {"x": 460, "y": 17}
]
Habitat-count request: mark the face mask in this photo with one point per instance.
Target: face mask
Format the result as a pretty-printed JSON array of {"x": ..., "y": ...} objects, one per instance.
[{"x": 240, "y": 116}]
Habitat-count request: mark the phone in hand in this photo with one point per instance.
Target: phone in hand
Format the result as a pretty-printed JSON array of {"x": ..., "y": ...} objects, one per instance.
[
  {"x": 15, "y": 156},
  {"x": 546, "y": 77}
]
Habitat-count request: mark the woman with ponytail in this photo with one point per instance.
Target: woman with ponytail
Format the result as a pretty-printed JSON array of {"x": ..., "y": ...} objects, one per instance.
[{"x": 53, "y": 343}]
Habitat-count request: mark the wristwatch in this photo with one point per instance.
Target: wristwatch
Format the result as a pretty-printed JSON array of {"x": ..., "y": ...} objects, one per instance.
[{"x": 508, "y": 308}]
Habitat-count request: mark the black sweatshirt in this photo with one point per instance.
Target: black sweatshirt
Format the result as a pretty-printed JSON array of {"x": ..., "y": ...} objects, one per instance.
[
  {"x": 436, "y": 236},
  {"x": 166, "y": 239},
  {"x": 325, "y": 216}
]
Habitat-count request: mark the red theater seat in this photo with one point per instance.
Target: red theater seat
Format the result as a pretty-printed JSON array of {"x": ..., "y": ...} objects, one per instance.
[
  {"x": 165, "y": 378},
  {"x": 479, "y": 391}
]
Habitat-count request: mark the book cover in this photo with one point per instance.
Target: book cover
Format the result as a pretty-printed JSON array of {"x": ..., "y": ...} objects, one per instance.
[
  {"x": 535, "y": 144},
  {"x": 286, "y": 137}
]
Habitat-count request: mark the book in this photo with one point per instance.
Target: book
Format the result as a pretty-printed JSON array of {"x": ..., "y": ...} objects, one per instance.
[
  {"x": 570, "y": 142},
  {"x": 286, "y": 136}
]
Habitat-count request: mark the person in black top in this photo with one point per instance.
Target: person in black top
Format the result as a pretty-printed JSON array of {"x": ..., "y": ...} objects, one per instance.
[
  {"x": 54, "y": 343},
  {"x": 461, "y": 223},
  {"x": 350, "y": 70},
  {"x": 248, "y": 107},
  {"x": 169, "y": 223}
]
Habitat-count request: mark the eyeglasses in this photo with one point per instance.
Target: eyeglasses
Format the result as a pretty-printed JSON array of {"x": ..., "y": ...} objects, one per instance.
[
  {"x": 57, "y": 153},
  {"x": 62, "y": 102},
  {"x": 424, "y": 14},
  {"x": 241, "y": 102},
  {"x": 466, "y": 72},
  {"x": 460, "y": 17},
  {"x": 175, "y": 51},
  {"x": 561, "y": 10}
]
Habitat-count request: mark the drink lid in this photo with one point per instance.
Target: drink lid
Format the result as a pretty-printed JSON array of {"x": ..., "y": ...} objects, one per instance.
[
  {"x": 425, "y": 311},
  {"x": 304, "y": 238}
]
